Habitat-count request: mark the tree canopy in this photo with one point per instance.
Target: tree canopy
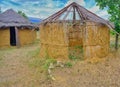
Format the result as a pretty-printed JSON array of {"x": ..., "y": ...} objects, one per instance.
[
  {"x": 22, "y": 14},
  {"x": 113, "y": 7}
]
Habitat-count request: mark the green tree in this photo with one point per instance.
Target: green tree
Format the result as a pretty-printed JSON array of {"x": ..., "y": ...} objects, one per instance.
[
  {"x": 114, "y": 11},
  {"x": 22, "y": 14}
]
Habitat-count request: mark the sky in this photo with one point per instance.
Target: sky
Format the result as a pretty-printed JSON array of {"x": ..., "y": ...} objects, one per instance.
[{"x": 44, "y": 8}]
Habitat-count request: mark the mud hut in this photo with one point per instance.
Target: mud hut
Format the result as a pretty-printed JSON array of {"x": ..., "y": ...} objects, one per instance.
[
  {"x": 15, "y": 30},
  {"x": 74, "y": 27}
]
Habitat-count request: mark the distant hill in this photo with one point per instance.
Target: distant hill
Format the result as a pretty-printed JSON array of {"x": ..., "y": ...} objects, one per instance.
[{"x": 34, "y": 20}]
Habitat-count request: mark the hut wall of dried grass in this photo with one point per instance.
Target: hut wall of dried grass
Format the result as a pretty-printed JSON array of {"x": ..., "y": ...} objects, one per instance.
[
  {"x": 96, "y": 39},
  {"x": 53, "y": 41},
  {"x": 26, "y": 36},
  {"x": 57, "y": 38},
  {"x": 75, "y": 34},
  {"x": 4, "y": 37}
]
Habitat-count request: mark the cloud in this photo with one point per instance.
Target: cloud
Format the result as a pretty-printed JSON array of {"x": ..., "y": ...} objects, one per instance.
[
  {"x": 45, "y": 8},
  {"x": 94, "y": 9},
  {"x": 102, "y": 13}
]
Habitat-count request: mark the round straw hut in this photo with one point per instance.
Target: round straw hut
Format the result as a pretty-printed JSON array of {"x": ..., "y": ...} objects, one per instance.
[
  {"x": 74, "y": 27},
  {"x": 15, "y": 30}
]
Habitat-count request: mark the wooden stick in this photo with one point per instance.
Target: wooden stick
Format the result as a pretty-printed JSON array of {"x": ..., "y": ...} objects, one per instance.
[{"x": 17, "y": 37}]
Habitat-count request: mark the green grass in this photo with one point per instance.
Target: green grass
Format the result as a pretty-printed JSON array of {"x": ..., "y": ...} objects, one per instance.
[
  {"x": 72, "y": 57},
  {"x": 68, "y": 64},
  {"x": 37, "y": 62},
  {"x": 47, "y": 63},
  {"x": 1, "y": 58},
  {"x": 76, "y": 53}
]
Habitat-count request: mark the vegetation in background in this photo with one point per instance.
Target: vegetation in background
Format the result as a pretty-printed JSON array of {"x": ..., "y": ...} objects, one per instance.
[
  {"x": 113, "y": 7},
  {"x": 112, "y": 32},
  {"x": 22, "y": 14}
]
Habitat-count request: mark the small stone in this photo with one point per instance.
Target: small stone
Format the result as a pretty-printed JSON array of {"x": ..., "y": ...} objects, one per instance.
[
  {"x": 58, "y": 63},
  {"x": 49, "y": 71},
  {"x": 53, "y": 78},
  {"x": 62, "y": 65},
  {"x": 51, "y": 66}
]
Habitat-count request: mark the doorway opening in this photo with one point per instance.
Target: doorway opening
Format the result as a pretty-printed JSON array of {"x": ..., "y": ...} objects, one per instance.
[{"x": 12, "y": 36}]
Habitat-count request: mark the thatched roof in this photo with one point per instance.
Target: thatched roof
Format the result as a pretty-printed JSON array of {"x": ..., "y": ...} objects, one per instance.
[
  {"x": 11, "y": 18},
  {"x": 78, "y": 12}
]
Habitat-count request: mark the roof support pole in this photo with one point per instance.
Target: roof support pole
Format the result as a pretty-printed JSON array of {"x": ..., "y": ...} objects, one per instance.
[
  {"x": 67, "y": 13},
  {"x": 74, "y": 14},
  {"x": 57, "y": 14},
  {"x": 17, "y": 37},
  {"x": 80, "y": 15}
]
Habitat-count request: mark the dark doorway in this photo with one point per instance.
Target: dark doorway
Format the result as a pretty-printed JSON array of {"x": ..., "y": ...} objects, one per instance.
[{"x": 12, "y": 36}]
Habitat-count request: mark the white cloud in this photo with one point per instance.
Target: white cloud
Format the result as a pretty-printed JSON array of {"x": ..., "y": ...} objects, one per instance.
[
  {"x": 102, "y": 13},
  {"x": 45, "y": 8},
  {"x": 94, "y": 9}
]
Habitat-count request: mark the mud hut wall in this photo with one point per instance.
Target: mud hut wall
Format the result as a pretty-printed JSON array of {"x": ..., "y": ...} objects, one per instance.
[
  {"x": 26, "y": 36},
  {"x": 53, "y": 40},
  {"x": 75, "y": 35},
  {"x": 96, "y": 40},
  {"x": 4, "y": 37}
]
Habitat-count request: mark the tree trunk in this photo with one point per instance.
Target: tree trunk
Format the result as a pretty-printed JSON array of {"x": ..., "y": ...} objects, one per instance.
[{"x": 116, "y": 42}]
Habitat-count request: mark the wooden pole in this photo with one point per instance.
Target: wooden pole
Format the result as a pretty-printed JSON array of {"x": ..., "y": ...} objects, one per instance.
[
  {"x": 116, "y": 42},
  {"x": 67, "y": 13},
  {"x": 74, "y": 14},
  {"x": 56, "y": 14},
  {"x": 17, "y": 37}
]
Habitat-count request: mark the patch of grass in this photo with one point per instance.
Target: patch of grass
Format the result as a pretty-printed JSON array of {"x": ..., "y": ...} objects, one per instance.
[
  {"x": 34, "y": 53},
  {"x": 47, "y": 63},
  {"x": 80, "y": 48},
  {"x": 36, "y": 62},
  {"x": 76, "y": 53},
  {"x": 72, "y": 57},
  {"x": 68, "y": 64},
  {"x": 5, "y": 84},
  {"x": 7, "y": 48},
  {"x": 1, "y": 59},
  {"x": 1, "y": 54}
]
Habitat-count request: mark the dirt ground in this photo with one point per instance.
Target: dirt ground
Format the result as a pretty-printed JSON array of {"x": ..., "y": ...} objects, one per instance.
[{"x": 20, "y": 68}]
